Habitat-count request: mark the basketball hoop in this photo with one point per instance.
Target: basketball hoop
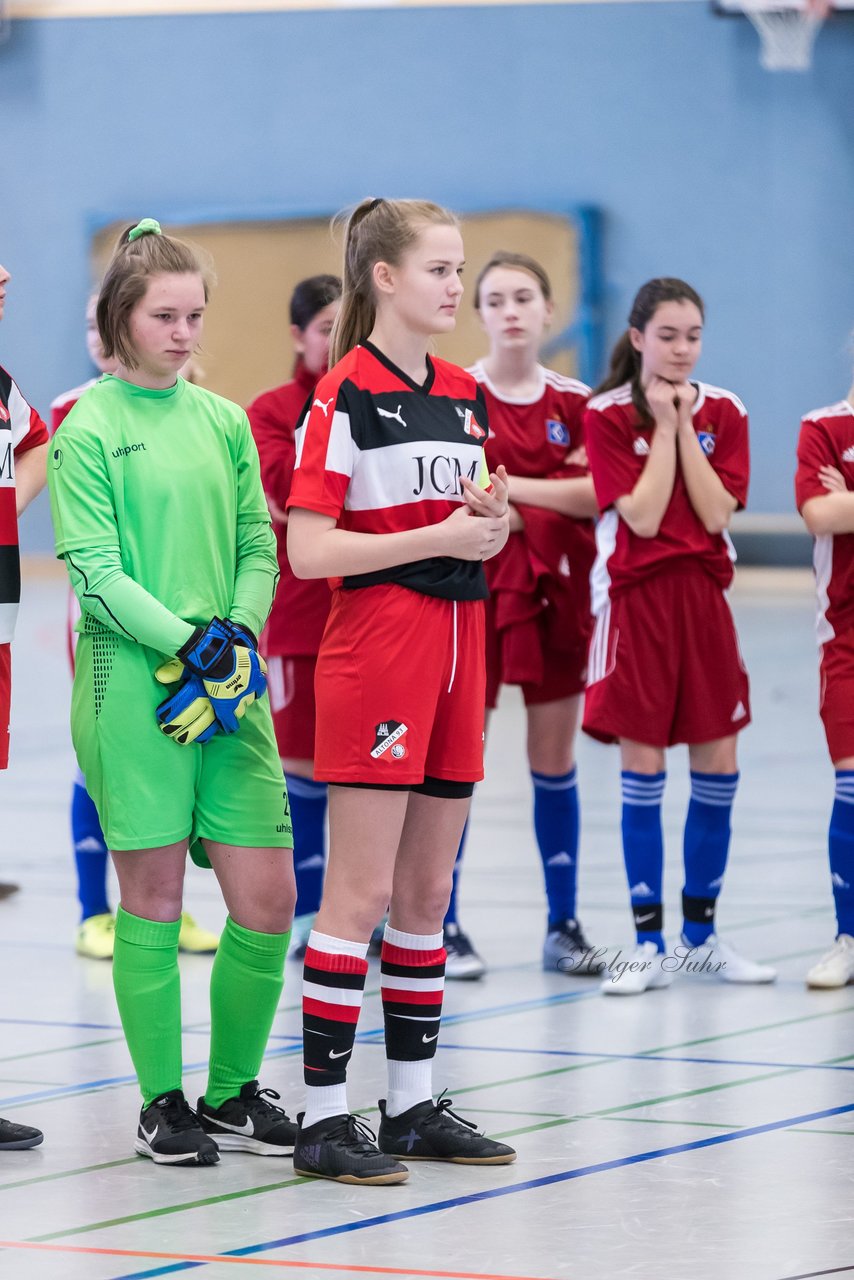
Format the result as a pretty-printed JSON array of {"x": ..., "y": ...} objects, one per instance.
[{"x": 787, "y": 35}]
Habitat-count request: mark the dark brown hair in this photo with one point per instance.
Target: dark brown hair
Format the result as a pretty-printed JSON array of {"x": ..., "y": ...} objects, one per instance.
[
  {"x": 133, "y": 264},
  {"x": 311, "y": 296},
  {"x": 516, "y": 262},
  {"x": 625, "y": 361},
  {"x": 376, "y": 231}
]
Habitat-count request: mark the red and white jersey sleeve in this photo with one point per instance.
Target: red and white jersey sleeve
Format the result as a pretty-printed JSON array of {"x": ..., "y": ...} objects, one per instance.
[
  {"x": 618, "y": 446},
  {"x": 62, "y": 405},
  {"x": 21, "y": 429},
  {"x": 827, "y": 439},
  {"x": 325, "y": 452}
]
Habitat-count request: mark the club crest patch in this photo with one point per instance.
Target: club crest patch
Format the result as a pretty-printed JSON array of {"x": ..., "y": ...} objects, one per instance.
[
  {"x": 557, "y": 432},
  {"x": 707, "y": 442},
  {"x": 390, "y": 735}
]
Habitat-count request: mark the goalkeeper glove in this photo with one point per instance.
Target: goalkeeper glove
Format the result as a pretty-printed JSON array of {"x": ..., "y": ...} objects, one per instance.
[
  {"x": 225, "y": 657},
  {"x": 186, "y": 716}
]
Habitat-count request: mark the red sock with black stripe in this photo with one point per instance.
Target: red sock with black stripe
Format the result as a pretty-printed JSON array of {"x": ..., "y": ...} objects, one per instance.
[
  {"x": 333, "y": 984},
  {"x": 413, "y": 980}
]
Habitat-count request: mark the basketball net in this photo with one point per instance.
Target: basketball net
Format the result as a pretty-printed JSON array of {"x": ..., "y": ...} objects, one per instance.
[{"x": 787, "y": 35}]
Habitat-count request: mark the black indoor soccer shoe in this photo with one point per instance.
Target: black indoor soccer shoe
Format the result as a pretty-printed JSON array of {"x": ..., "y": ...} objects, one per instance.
[
  {"x": 249, "y": 1122},
  {"x": 432, "y": 1131},
  {"x": 343, "y": 1149},
  {"x": 169, "y": 1133},
  {"x": 18, "y": 1137}
]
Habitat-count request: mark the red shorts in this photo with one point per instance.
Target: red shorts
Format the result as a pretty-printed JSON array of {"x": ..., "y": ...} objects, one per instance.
[
  {"x": 5, "y": 702},
  {"x": 836, "y": 695},
  {"x": 564, "y": 673},
  {"x": 665, "y": 666},
  {"x": 400, "y": 689},
  {"x": 290, "y": 688}
]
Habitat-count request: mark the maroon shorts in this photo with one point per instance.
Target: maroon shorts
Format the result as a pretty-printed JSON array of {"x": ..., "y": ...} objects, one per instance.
[
  {"x": 836, "y": 695},
  {"x": 5, "y": 702},
  {"x": 290, "y": 688},
  {"x": 564, "y": 673},
  {"x": 400, "y": 686},
  {"x": 665, "y": 666}
]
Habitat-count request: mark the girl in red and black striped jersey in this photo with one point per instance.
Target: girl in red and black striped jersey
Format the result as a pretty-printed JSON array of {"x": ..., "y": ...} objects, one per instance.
[
  {"x": 670, "y": 464},
  {"x": 385, "y": 500},
  {"x": 823, "y": 489},
  {"x": 538, "y": 620},
  {"x": 300, "y": 609}
]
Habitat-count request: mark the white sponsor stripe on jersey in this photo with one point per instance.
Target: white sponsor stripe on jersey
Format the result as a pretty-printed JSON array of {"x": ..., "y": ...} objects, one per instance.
[
  {"x": 8, "y": 614},
  {"x": 332, "y": 995},
  {"x": 417, "y": 471}
]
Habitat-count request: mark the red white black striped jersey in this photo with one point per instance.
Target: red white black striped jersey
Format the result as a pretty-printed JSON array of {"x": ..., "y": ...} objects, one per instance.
[
  {"x": 381, "y": 454},
  {"x": 827, "y": 440},
  {"x": 618, "y": 446},
  {"x": 21, "y": 429}
]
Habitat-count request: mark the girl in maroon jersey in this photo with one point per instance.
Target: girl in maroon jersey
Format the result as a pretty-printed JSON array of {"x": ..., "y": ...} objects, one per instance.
[
  {"x": 823, "y": 488},
  {"x": 538, "y": 615},
  {"x": 300, "y": 609},
  {"x": 384, "y": 499},
  {"x": 670, "y": 464}
]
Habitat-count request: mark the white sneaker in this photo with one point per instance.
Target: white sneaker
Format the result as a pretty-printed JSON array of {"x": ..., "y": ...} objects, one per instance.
[
  {"x": 462, "y": 962},
  {"x": 836, "y": 968},
  {"x": 641, "y": 972},
  {"x": 718, "y": 959}
]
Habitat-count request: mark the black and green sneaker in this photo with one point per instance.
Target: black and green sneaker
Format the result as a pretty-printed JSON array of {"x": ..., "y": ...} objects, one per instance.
[
  {"x": 249, "y": 1122},
  {"x": 18, "y": 1137},
  {"x": 432, "y": 1131},
  {"x": 344, "y": 1149},
  {"x": 169, "y": 1133}
]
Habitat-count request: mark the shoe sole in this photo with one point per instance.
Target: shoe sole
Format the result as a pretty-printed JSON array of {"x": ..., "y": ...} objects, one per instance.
[
  {"x": 379, "y": 1180},
  {"x": 455, "y": 1159},
  {"x": 465, "y": 977},
  {"x": 614, "y": 988},
  {"x": 143, "y": 1149},
  {"x": 816, "y": 984},
  {"x": 254, "y": 1146},
  {"x": 22, "y": 1144}
]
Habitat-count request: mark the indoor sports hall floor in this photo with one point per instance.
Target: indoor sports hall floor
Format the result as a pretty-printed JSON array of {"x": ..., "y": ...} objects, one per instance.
[{"x": 697, "y": 1133}]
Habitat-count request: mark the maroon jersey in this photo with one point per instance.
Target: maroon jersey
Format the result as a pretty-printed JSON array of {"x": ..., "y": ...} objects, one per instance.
[
  {"x": 300, "y": 607},
  {"x": 21, "y": 429},
  {"x": 827, "y": 440},
  {"x": 618, "y": 445},
  {"x": 383, "y": 454},
  {"x": 540, "y": 582}
]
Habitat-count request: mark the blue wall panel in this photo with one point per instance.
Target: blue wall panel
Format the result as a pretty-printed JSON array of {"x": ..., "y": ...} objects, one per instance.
[{"x": 704, "y": 165}]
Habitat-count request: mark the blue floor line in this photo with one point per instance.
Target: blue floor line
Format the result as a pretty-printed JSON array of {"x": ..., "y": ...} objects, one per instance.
[
  {"x": 533, "y": 1184},
  {"x": 649, "y": 1057}
]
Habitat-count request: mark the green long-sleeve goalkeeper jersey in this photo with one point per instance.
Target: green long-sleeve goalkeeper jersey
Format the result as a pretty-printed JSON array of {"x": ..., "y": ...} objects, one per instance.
[{"x": 159, "y": 513}]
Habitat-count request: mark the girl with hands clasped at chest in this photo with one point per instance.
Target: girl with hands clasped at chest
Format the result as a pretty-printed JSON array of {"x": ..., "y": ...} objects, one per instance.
[
  {"x": 390, "y": 499},
  {"x": 823, "y": 486},
  {"x": 669, "y": 458}
]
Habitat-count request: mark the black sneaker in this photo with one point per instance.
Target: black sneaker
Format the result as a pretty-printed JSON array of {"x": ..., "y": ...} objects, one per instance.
[
  {"x": 17, "y": 1137},
  {"x": 567, "y": 950},
  {"x": 432, "y": 1131},
  {"x": 249, "y": 1123},
  {"x": 463, "y": 963},
  {"x": 169, "y": 1133},
  {"x": 343, "y": 1148}
]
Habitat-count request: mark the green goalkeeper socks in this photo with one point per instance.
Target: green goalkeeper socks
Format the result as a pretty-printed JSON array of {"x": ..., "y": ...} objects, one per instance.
[
  {"x": 148, "y": 993},
  {"x": 246, "y": 982}
]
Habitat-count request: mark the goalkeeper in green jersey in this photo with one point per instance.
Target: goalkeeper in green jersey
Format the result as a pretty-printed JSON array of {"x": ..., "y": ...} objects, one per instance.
[{"x": 161, "y": 520}]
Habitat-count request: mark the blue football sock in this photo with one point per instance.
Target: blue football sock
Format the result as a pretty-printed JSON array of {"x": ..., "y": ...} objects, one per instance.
[
  {"x": 451, "y": 913},
  {"x": 308, "y": 814},
  {"x": 841, "y": 847},
  {"x": 90, "y": 852},
  {"x": 643, "y": 850},
  {"x": 706, "y": 845},
  {"x": 556, "y": 829}
]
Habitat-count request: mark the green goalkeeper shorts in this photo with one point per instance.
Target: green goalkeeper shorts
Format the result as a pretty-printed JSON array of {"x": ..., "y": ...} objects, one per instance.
[{"x": 148, "y": 790}]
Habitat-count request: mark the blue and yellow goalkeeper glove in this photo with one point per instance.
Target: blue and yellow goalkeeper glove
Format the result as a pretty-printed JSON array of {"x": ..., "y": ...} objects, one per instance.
[
  {"x": 186, "y": 716},
  {"x": 224, "y": 655}
]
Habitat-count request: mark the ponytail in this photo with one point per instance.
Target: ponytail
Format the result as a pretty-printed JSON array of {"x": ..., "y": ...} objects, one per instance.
[
  {"x": 376, "y": 230},
  {"x": 625, "y": 360}
]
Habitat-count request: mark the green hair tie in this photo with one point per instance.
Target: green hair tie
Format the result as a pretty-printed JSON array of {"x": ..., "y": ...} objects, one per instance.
[{"x": 147, "y": 227}]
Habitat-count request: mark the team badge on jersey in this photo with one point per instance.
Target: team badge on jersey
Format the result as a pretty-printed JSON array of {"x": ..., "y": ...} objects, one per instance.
[
  {"x": 389, "y": 737},
  {"x": 4, "y": 414},
  {"x": 471, "y": 427},
  {"x": 641, "y": 446},
  {"x": 557, "y": 432},
  {"x": 707, "y": 442}
]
